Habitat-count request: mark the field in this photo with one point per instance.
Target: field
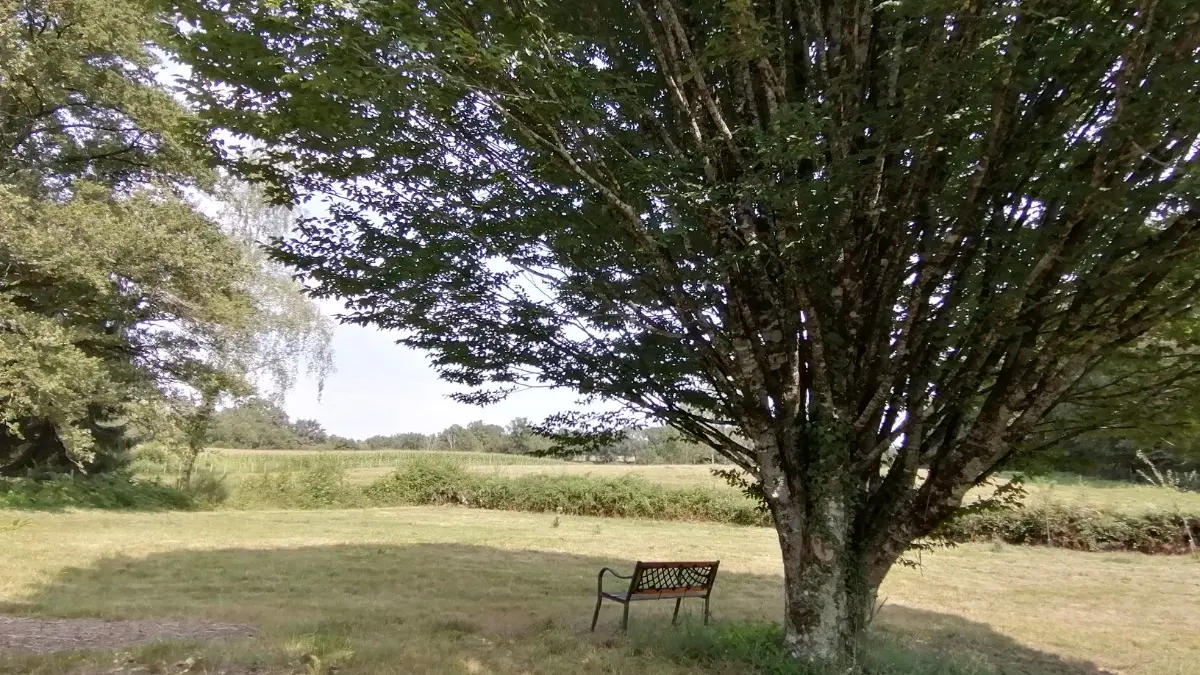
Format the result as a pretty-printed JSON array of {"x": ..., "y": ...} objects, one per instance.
[
  {"x": 258, "y": 461},
  {"x": 365, "y": 466},
  {"x": 449, "y": 590},
  {"x": 444, "y": 589}
]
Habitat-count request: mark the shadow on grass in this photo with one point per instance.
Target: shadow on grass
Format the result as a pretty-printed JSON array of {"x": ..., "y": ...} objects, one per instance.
[{"x": 437, "y": 608}]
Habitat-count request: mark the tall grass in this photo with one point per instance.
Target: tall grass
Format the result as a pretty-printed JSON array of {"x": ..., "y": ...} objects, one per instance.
[
  {"x": 105, "y": 491},
  {"x": 320, "y": 482},
  {"x": 154, "y": 463}
]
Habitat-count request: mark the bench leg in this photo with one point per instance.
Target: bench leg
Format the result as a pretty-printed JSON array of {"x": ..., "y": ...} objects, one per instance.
[
  {"x": 705, "y": 611},
  {"x": 625, "y": 619},
  {"x": 596, "y": 614},
  {"x": 675, "y": 616}
]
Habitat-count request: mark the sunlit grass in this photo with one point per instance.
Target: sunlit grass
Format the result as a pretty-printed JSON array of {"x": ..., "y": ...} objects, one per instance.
[{"x": 448, "y": 590}]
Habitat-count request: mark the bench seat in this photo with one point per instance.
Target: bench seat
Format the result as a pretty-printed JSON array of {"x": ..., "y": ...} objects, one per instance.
[{"x": 659, "y": 581}]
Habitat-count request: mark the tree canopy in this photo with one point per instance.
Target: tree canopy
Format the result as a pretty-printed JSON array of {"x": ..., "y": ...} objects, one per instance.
[
  {"x": 79, "y": 100},
  {"x": 839, "y": 242},
  {"x": 103, "y": 303},
  {"x": 122, "y": 305}
]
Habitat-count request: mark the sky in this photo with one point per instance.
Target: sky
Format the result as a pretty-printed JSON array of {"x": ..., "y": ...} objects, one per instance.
[{"x": 383, "y": 388}]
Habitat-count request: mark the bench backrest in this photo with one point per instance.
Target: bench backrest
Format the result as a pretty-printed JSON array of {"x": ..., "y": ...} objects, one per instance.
[{"x": 659, "y": 577}]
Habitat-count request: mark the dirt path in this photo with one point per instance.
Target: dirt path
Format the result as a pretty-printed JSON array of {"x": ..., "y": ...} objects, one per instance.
[{"x": 22, "y": 634}]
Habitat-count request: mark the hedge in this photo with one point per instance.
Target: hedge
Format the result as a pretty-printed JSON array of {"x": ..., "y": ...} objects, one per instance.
[
  {"x": 104, "y": 491},
  {"x": 1078, "y": 527},
  {"x": 322, "y": 484}
]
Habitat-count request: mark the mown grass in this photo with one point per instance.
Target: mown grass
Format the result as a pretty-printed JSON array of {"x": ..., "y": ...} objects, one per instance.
[{"x": 445, "y": 590}]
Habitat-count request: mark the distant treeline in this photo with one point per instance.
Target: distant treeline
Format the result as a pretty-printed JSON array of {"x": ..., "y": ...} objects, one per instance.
[{"x": 260, "y": 424}]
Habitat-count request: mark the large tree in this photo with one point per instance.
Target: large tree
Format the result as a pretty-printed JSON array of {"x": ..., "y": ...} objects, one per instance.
[
  {"x": 122, "y": 306},
  {"x": 79, "y": 100},
  {"x": 114, "y": 289},
  {"x": 838, "y": 241},
  {"x": 105, "y": 305}
]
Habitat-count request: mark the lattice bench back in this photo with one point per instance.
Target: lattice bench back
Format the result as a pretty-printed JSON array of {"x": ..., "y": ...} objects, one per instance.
[{"x": 657, "y": 578}]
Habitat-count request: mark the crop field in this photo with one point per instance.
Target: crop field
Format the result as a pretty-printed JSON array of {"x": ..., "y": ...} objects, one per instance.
[{"x": 361, "y": 465}]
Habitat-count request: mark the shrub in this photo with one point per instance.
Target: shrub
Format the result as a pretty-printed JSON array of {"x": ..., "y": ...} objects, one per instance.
[
  {"x": 424, "y": 481},
  {"x": 209, "y": 488},
  {"x": 104, "y": 491},
  {"x": 1076, "y": 527},
  {"x": 317, "y": 482},
  {"x": 437, "y": 482}
]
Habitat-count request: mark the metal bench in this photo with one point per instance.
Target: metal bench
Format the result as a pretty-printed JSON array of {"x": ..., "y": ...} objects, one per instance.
[{"x": 659, "y": 581}]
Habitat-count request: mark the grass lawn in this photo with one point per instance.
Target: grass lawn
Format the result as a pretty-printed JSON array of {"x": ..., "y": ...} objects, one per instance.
[{"x": 446, "y": 590}]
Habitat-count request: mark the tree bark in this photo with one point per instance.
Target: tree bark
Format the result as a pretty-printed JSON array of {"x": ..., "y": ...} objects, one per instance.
[
  {"x": 830, "y": 580},
  {"x": 40, "y": 447}
]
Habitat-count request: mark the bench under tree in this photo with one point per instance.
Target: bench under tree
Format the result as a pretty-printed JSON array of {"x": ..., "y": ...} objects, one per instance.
[{"x": 659, "y": 581}]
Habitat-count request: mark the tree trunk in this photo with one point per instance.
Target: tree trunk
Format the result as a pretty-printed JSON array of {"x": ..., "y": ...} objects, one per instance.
[
  {"x": 40, "y": 448},
  {"x": 829, "y": 589},
  {"x": 197, "y": 435}
]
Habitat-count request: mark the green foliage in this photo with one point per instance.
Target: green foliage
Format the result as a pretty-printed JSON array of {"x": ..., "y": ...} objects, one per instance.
[
  {"x": 319, "y": 482},
  {"x": 151, "y": 459},
  {"x": 652, "y": 445},
  {"x": 425, "y": 481},
  {"x": 312, "y": 483},
  {"x": 125, "y": 312},
  {"x": 118, "y": 296},
  {"x": 108, "y": 305},
  {"x": 837, "y": 242},
  {"x": 255, "y": 424},
  {"x": 1142, "y": 398},
  {"x": 1076, "y": 527},
  {"x": 80, "y": 100},
  {"x": 209, "y": 488},
  {"x": 105, "y": 491},
  {"x": 438, "y": 482}
]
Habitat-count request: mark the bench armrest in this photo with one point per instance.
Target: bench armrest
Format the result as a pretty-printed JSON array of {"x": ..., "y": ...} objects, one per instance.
[{"x": 600, "y": 578}]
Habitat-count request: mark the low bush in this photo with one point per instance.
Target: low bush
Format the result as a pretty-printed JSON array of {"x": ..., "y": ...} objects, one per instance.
[
  {"x": 209, "y": 488},
  {"x": 434, "y": 483},
  {"x": 316, "y": 482},
  {"x": 1077, "y": 527},
  {"x": 320, "y": 482},
  {"x": 103, "y": 491},
  {"x": 425, "y": 481}
]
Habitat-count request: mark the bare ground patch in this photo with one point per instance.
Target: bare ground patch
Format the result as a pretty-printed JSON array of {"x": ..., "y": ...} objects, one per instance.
[{"x": 24, "y": 634}]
